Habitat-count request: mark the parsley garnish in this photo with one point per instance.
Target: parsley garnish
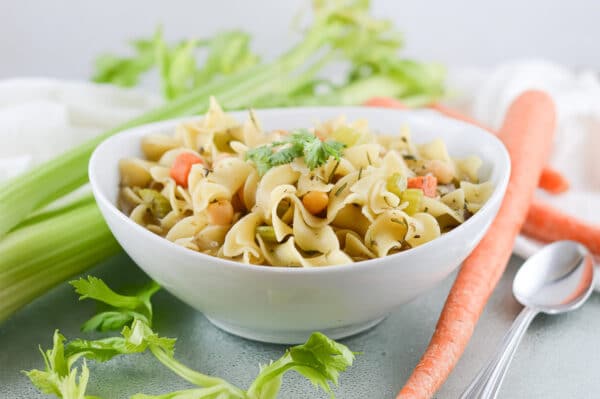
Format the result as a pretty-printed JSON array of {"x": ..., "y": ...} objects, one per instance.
[
  {"x": 300, "y": 143},
  {"x": 261, "y": 156}
]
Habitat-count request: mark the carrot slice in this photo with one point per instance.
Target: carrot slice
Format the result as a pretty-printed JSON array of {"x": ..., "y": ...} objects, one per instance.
[
  {"x": 426, "y": 183},
  {"x": 546, "y": 223},
  {"x": 553, "y": 181},
  {"x": 181, "y": 167},
  {"x": 529, "y": 124}
]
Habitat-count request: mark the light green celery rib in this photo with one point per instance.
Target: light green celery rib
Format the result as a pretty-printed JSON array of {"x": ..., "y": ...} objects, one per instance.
[
  {"x": 44, "y": 214},
  {"x": 55, "y": 178},
  {"x": 40, "y": 282},
  {"x": 49, "y": 236},
  {"x": 36, "y": 257}
]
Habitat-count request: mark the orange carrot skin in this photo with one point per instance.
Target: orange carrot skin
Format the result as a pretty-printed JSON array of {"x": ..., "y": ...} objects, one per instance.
[
  {"x": 426, "y": 183},
  {"x": 553, "y": 181},
  {"x": 527, "y": 134},
  {"x": 546, "y": 223},
  {"x": 182, "y": 166}
]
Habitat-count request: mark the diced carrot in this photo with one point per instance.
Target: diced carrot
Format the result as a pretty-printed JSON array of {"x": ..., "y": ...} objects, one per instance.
[
  {"x": 426, "y": 183},
  {"x": 547, "y": 224},
  {"x": 553, "y": 181},
  {"x": 181, "y": 167},
  {"x": 529, "y": 124}
]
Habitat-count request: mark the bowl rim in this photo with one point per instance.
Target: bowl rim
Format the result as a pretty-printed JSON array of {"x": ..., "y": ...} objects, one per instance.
[{"x": 503, "y": 164}]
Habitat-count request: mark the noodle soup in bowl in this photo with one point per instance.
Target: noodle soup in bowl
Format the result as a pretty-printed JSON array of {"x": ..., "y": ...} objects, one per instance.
[{"x": 339, "y": 291}]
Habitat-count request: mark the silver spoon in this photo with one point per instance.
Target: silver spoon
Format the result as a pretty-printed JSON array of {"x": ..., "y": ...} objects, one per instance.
[{"x": 557, "y": 279}]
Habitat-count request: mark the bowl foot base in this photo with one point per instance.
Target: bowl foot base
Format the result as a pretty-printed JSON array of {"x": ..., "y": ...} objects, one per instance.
[{"x": 292, "y": 336}]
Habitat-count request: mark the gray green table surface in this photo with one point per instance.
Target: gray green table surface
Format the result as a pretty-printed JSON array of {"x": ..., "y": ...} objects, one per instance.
[{"x": 558, "y": 358}]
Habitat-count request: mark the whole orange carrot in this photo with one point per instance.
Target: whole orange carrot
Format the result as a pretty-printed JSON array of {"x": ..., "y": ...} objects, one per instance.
[
  {"x": 546, "y": 223},
  {"x": 527, "y": 134}
]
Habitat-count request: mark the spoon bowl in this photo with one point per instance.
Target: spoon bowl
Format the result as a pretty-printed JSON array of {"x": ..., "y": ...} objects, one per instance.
[{"x": 558, "y": 278}]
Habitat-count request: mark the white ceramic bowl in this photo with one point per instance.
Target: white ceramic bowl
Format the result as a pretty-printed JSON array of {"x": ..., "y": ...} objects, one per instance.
[{"x": 284, "y": 305}]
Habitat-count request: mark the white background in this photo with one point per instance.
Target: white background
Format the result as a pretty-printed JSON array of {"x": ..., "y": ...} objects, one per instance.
[{"x": 61, "y": 38}]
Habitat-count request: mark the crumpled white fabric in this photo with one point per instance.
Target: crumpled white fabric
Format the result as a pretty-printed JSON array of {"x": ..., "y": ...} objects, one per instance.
[
  {"x": 40, "y": 118},
  {"x": 486, "y": 94}
]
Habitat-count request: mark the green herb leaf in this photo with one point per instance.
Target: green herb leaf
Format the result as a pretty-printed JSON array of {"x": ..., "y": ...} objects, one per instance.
[
  {"x": 320, "y": 360},
  {"x": 316, "y": 153},
  {"x": 97, "y": 289},
  {"x": 126, "y": 308},
  {"x": 112, "y": 320},
  {"x": 287, "y": 154},
  {"x": 123, "y": 71},
  {"x": 100, "y": 350},
  {"x": 300, "y": 143},
  {"x": 140, "y": 335},
  {"x": 177, "y": 67},
  {"x": 134, "y": 339},
  {"x": 228, "y": 52},
  {"x": 58, "y": 378},
  {"x": 261, "y": 157}
]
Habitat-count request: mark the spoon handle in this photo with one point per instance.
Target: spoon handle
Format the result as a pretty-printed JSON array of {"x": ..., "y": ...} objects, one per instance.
[{"x": 486, "y": 384}]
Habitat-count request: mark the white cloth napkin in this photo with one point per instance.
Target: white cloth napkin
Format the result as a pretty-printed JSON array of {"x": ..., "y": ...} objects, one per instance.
[
  {"x": 486, "y": 95},
  {"x": 40, "y": 118}
]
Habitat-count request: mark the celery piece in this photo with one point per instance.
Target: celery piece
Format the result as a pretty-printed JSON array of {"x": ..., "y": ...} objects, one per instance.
[
  {"x": 38, "y": 256},
  {"x": 346, "y": 135},
  {"x": 414, "y": 197},
  {"x": 396, "y": 184},
  {"x": 159, "y": 204},
  {"x": 267, "y": 233}
]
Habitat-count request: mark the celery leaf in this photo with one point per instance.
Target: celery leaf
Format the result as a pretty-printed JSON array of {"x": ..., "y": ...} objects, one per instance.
[
  {"x": 125, "y": 308},
  {"x": 320, "y": 360}
]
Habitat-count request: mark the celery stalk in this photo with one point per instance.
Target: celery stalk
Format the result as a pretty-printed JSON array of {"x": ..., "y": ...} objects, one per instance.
[
  {"x": 40, "y": 255},
  {"x": 45, "y": 213}
]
